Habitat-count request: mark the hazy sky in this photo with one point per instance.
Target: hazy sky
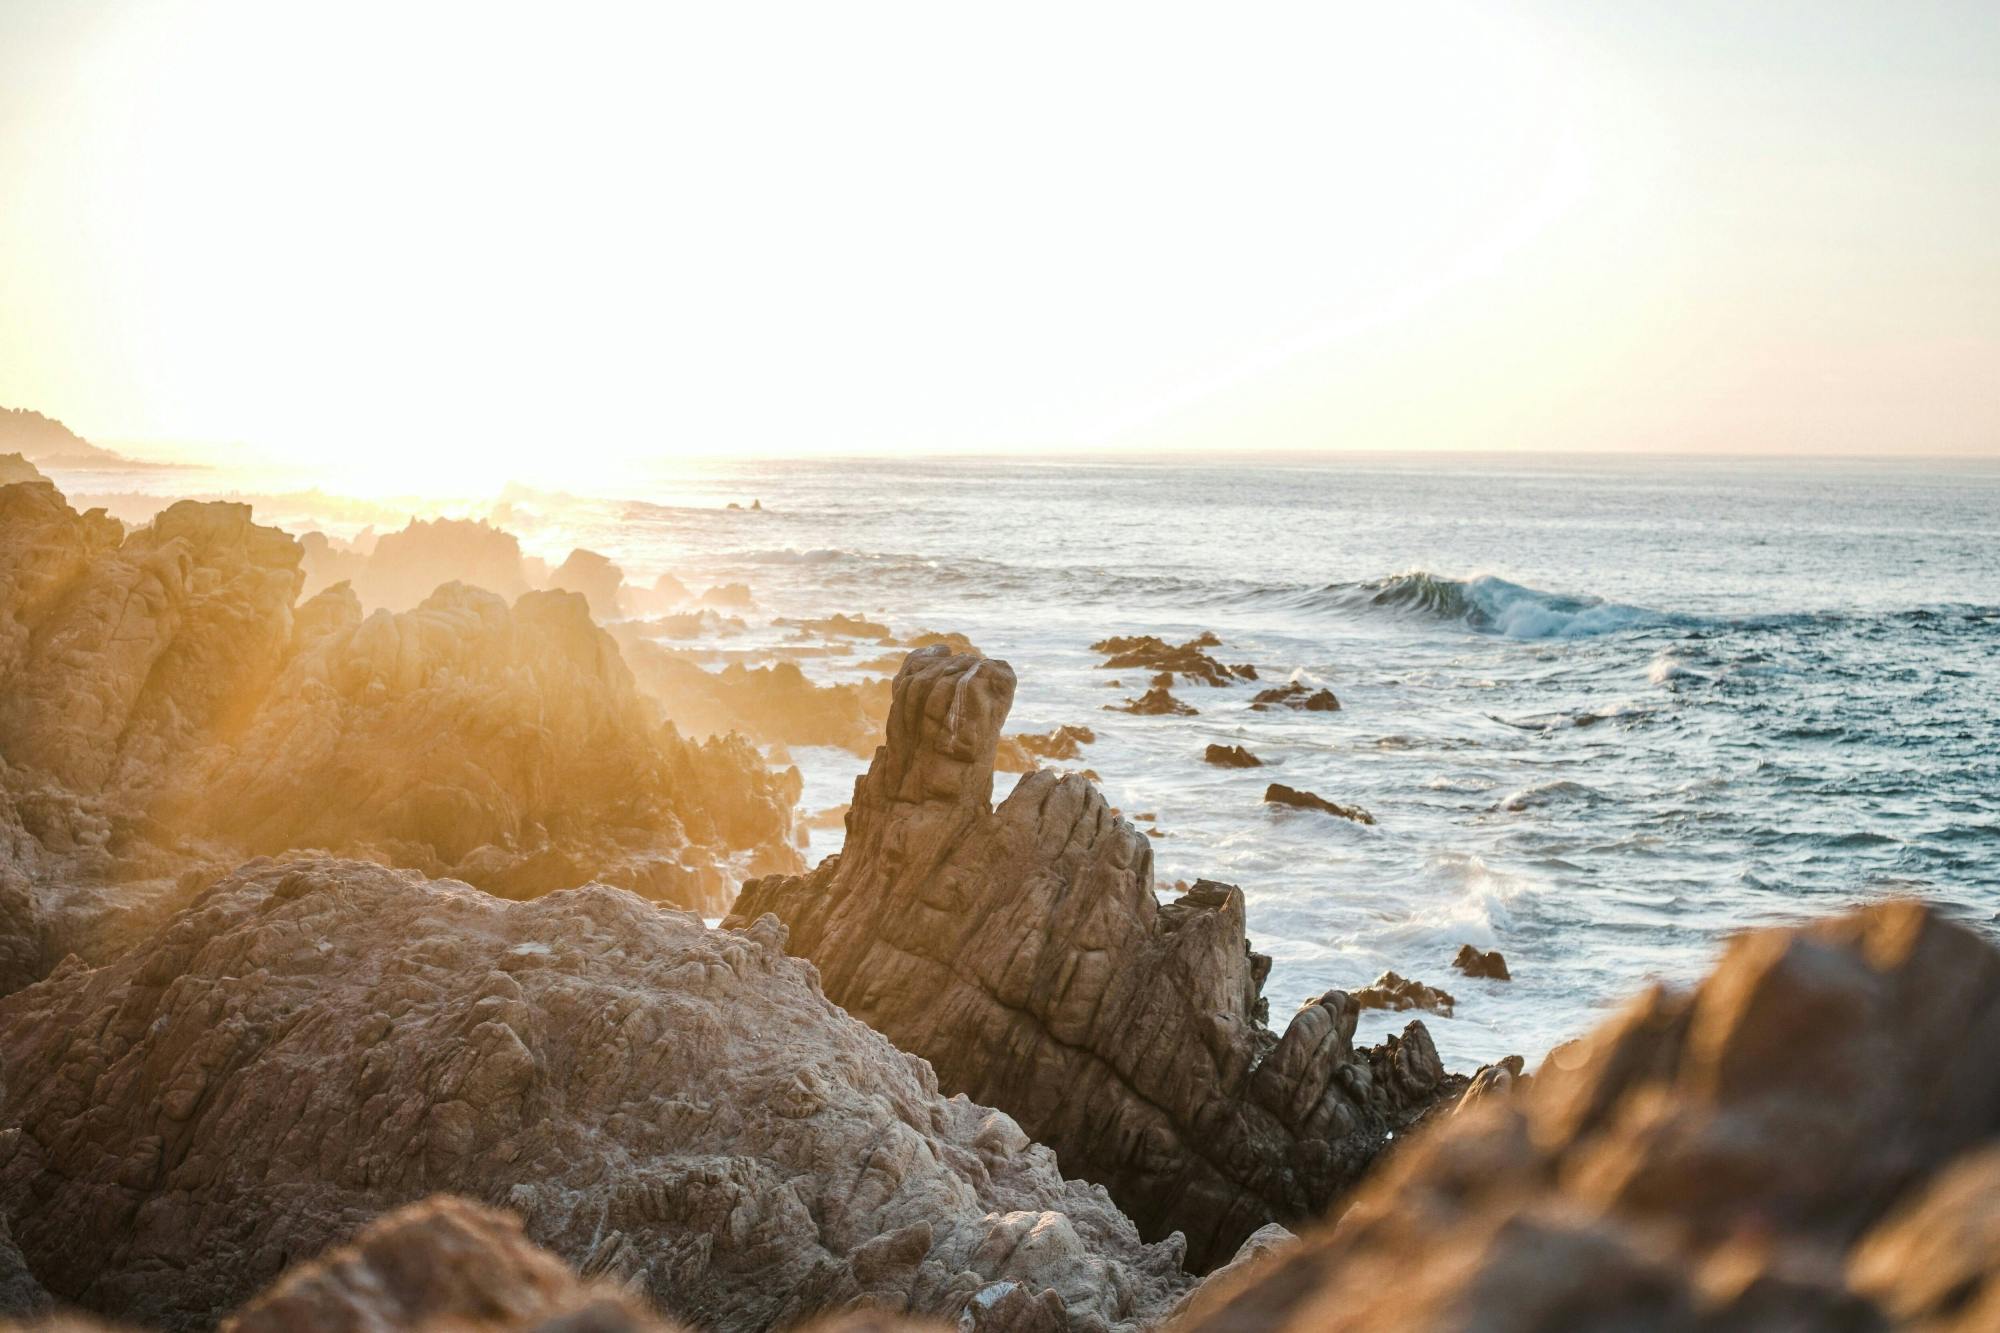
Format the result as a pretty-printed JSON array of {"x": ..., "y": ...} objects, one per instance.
[{"x": 397, "y": 236}]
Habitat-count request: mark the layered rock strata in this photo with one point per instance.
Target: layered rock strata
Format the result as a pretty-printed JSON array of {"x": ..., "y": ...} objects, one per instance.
[{"x": 1022, "y": 952}]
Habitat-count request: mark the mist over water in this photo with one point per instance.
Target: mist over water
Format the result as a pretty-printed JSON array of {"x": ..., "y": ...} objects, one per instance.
[{"x": 1606, "y": 712}]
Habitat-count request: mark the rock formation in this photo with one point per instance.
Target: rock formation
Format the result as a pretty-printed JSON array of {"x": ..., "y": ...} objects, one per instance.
[
  {"x": 773, "y": 704},
  {"x": 167, "y": 707},
  {"x": 1230, "y": 756},
  {"x": 1396, "y": 992},
  {"x": 564, "y": 778},
  {"x": 1022, "y": 952},
  {"x": 1481, "y": 963},
  {"x": 14, "y": 468},
  {"x": 1809, "y": 1140},
  {"x": 1279, "y": 794},
  {"x": 1156, "y": 702},
  {"x": 406, "y": 567},
  {"x": 671, "y": 1108},
  {"x": 837, "y": 625},
  {"x": 1064, "y": 742},
  {"x": 594, "y": 576},
  {"x": 1296, "y": 696},
  {"x": 1148, "y": 652}
]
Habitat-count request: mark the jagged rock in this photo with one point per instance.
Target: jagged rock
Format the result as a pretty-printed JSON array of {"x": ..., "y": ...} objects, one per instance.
[
  {"x": 564, "y": 779},
  {"x": 1022, "y": 952},
  {"x": 672, "y": 1108},
  {"x": 735, "y": 595},
  {"x": 1279, "y": 794},
  {"x": 1394, "y": 991},
  {"x": 1230, "y": 756},
  {"x": 593, "y": 575},
  {"x": 1295, "y": 695},
  {"x": 1062, "y": 743},
  {"x": 770, "y": 704},
  {"x": 1481, "y": 963},
  {"x": 147, "y": 648},
  {"x": 1156, "y": 702},
  {"x": 165, "y": 710},
  {"x": 1804, "y": 1141},
  {"x": 1148, "y": 652},
  {"x": 837, "y": 624}
]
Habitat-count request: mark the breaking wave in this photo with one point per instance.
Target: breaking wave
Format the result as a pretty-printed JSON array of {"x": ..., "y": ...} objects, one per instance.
[{"x": 1493, "y": 606}]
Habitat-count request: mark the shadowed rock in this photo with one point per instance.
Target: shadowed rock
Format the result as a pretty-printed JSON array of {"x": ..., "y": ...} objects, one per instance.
[
  {"x": 1022, "y": 952},
  {"x": 674, "y": 1109},
  {"x": 1486, "y": 963},
  {"x": 1156, "y": 702},
  {"x": 1279, "y": 794},
  {"x": 1188, "y": 661},
  {"x": 1806, "y": 1141},
  {"x": 1230, "y": 756},
  {"x": 1296, "y": 696},
  {"x": 1394, "y": 991}
]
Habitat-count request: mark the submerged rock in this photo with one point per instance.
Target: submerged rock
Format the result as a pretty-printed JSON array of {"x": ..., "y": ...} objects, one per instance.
[
  {"x": 1481, "y": 963},
  {"x": 1230, "y": 756},
  {"x": 1807, "y": 1140},
  {"x": 1156, "y": 702},
  {"x": 1064, "y": 742},
  {"x": 837, "y": 625},
  {"x": 1022, "y": 952},
  {"x": 1279, "y": 794},
  {"x": 1294, "y": 695},
  {"x": 675, "y": 1109}
]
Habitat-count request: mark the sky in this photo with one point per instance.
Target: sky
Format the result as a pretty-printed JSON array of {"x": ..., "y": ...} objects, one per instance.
[{"x": 414, "y": 239}]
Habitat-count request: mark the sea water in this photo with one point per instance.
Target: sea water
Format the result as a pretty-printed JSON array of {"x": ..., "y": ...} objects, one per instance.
[{"x": 1606, "y": 712}]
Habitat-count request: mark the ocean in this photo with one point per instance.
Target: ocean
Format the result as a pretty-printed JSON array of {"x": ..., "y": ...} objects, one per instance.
[{"x": 1605, "y": 711}]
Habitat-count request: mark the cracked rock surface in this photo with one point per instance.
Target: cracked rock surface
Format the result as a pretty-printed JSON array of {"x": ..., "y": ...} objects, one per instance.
[
  {"x": 1022, "y": 952},
  {"x": 676, "y": 1109}
]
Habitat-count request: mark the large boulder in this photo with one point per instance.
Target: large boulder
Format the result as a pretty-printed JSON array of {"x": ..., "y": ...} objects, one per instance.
[
  {"x": 672, "y": 1108},
  {"x": 1810, "y": 1139},
  {"x": 1022, "y": 952}
]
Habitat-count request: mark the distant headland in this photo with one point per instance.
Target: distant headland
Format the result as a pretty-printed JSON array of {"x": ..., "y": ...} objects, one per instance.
[{"x": 46, "y": 442}]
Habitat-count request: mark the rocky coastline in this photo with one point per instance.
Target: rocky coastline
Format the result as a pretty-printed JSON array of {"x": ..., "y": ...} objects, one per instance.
[{"x": 354, "y": 976}]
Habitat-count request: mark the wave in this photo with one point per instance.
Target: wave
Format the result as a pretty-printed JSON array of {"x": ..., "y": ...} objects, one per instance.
[{"x": 1493, "y": 605}]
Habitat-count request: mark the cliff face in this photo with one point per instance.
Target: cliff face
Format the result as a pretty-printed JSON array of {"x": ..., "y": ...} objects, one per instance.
[
  {"x": 1021, "y": 951},
  {"x": 1809, "y": 1140},
  {"x": 673, "y": 1108},
  {"x": 167, "y": 707}
]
